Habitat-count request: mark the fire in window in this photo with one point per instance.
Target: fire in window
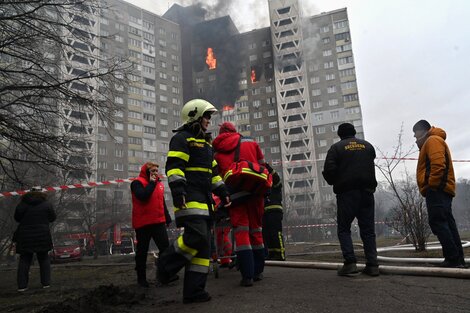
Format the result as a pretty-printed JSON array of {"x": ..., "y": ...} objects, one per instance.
[
  {"x": 255, "y": 74},
  {"x": 211, "y": 61}
]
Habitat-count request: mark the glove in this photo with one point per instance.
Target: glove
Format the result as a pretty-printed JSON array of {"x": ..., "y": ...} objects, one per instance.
[
  {"x": 276, "y": 179},
  {"x": 269, "y": 168}
]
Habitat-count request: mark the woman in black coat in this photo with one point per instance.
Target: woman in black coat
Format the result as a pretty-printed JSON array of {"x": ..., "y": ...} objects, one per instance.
[{"x": 34, "y": 213}]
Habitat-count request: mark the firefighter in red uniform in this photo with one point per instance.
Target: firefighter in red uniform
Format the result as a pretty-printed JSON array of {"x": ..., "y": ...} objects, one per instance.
[
  {"x": 246, "y": 212},
  {"x": 149, "y": 216},
  {"x": 192, "y": 176}
]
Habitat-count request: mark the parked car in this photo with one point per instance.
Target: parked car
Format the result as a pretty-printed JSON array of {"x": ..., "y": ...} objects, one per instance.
[
  {"x": 66, "y": 251},
  {"x": 126, "y": 246}
]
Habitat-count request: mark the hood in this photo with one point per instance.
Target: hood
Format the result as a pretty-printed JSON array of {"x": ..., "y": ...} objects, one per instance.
[
  {"x": 435, "y": 131},
  {"x": 34, "y": 197},
  {"x": 144, "y": 172},
  {"x": 226, "y": 142}
]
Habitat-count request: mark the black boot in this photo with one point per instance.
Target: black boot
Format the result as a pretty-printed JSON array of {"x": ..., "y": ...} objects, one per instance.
[{"x": 142, "y": 278}]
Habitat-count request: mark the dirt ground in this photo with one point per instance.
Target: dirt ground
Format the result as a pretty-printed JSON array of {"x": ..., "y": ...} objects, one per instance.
[{"x": 89, "y": 287}]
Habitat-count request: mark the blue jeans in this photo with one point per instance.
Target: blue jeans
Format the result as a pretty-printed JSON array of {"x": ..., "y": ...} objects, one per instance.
[
  {"x": 442, "y": 223},
  {"x": 358, "y": 204}
]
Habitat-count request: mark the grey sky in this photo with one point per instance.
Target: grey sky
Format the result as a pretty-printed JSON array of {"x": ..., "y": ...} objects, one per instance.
[{"x": 412, "y": 62}]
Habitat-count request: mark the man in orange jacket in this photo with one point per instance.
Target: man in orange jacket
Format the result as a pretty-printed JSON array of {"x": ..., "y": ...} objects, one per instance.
[{"x": 436, "y": 182}]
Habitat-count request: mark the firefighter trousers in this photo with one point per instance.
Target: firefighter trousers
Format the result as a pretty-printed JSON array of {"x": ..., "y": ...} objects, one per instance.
[
  {"x": 272, "y": 235},
  {"x": 192, "y": 251}
]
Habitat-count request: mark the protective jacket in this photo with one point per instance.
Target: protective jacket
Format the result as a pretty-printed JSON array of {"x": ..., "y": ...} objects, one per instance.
[
  {"x": 148, "y": 202},
  {"x": 435, "y": 169},
  {"x": 34, "y": 213},
  {"x": 225, "y": 145},
  {"x": 192, "y": 172},
  {"x": 349, "y": 165}
]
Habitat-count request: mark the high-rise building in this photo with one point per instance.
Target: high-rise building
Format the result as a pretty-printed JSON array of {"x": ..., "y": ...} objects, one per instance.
[{"x": 289, "y": 87}]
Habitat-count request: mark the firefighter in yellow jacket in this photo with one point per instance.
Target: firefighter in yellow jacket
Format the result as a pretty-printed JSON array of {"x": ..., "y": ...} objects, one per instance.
[
  {"x": 192, "y": 177},
  {"x": 436, "y": 182}
]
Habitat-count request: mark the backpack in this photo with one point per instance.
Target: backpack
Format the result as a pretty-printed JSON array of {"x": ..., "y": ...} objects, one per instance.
[{"x": 247, "y": 176}]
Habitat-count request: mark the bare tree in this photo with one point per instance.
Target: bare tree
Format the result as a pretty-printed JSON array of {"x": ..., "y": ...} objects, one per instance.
[
  {"x": 55, "y": 83},
  {"x": 408, "y": 215}
]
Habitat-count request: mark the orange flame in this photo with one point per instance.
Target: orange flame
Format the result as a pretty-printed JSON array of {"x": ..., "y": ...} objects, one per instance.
[
  {"x": 211, "y": 61},
  {"x": 253, "y": 75},
  {"x": 227, "y": 108}
]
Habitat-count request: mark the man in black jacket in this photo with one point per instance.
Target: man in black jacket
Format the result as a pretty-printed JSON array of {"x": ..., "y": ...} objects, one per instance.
[{"x": 349, "y": 167}]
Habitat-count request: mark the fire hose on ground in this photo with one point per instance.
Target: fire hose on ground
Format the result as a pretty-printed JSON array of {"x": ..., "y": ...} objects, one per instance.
[{"x": 388, "y": 269}]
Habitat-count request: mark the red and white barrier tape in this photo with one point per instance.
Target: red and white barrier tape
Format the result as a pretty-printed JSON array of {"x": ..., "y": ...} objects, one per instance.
[
  {"x": 63, "y": 187},
  {"x": 109, "y": 182},
  {"x": 319, "y": 225}
]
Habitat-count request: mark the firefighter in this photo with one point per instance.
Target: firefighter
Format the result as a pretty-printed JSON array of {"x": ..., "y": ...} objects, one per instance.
[
  {"x": 272, "y": 221},
  {"x": 246, "y": 213},
  {"x": 192, "y": 176}
]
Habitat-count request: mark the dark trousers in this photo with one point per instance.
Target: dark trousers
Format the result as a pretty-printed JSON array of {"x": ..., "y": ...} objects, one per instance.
[
  {"x": 272, "y": 234},
  {"x": 25, "y": 263},
  {"x": 442, "y": 223},
  {"x": 191, "y": 250},
  {"x": 357, "y": 204},
  {"x": 158, "y": 233}
]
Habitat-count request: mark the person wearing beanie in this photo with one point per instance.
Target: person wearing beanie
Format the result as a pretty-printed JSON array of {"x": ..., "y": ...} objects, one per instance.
[
  {"x": 436, "y": 182},
  {"x": 349, "y": 167}
]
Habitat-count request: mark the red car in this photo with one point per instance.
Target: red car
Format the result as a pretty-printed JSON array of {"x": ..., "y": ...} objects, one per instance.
[{"x": 66, "y": 251}]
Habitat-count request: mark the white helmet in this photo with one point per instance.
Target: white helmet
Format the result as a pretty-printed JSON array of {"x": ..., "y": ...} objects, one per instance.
[{"x": 194, "y": 109}]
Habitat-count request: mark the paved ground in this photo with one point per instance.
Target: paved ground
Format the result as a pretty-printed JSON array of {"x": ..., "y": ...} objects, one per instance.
[{"x": 283, "y": 290}]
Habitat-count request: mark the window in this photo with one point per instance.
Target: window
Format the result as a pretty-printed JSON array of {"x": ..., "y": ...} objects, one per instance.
[
  {"x": 334, "y": 128},
  {"x": 149, "y": 93},
  {"x": 119, "y": 100},
  {"x": 272, "y": 125},
  {"x": 331, "y": 89},
  {"x": 259, "y": 139},
  {"x": 149, "y": 117},
  {"x": 118, "y": 139},
  {"x": 135, "y": 42},
  {"x": 350, "y": 97},
  {"x": 135, "y": 102},
  {"x": 253, "y": 57},
  {"x": 321, "y": 156},
  {"x": 316, "y": 92},
  {"x": 148, "y": 69},
  {"x": 328, "y": 65},
  {"x": 354, "y": 110},
  {"x": 348, "y": 85},
  {"x": 149, "y": 59},
  {"x": 175, "y": 90},
  {"x": 119, "y": 153},
  {"x": 317, "y": 104},
  {"x": 346, "y": 60},
  {"x": 163, "y": 64},
  {"x": 163, "y": 98},
  {"x": 314, "y": 80},
  {"x": 102, "y": 165},
  {"x": 347, "y": 72},
  {"x": 318, "y": 117},
  {"x": 343, "y": 48},
  {"x": 322, "y": 143},
  {"x": 118, "y": 126},
  {"x": 324, "y": 29},
  {"x": 258, "y": 127},
  {"x": 266, "y": 54},
  {"x": 135, "y": 90},
  {"x": 272, "y": 112},
  {"x": 343, "y": 36},
  {"x": 326, "y": 40},
  {"x": 326, "y": 53},
  {"x": 102, "y": 150},
  {"x": 275, "y": 150},
  {"x": 163, "y": 121},
  {"x": 150, "y": 130},
  {"x": 118, "y": 167},
  {"x": 334, "y": 114},
  {"x": 134, "y": 127},
  {"x": 256, "y": 103},
  {"x": 274, "y": 137},
  {"x": 320, "y": 130},
  {"x": 163, "y": 87},
  {"x": 118, "y": 113},
  {"x": 330, "y": 76},
  {"x": 257, "y": 115},
  {"x": 340, "y": 24},
  {"x": 148, "y": 25},
  {"x": 333, "y": 102},
  {"x": 252, "y": 45},
  {"x": 164, "y": 134}
]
